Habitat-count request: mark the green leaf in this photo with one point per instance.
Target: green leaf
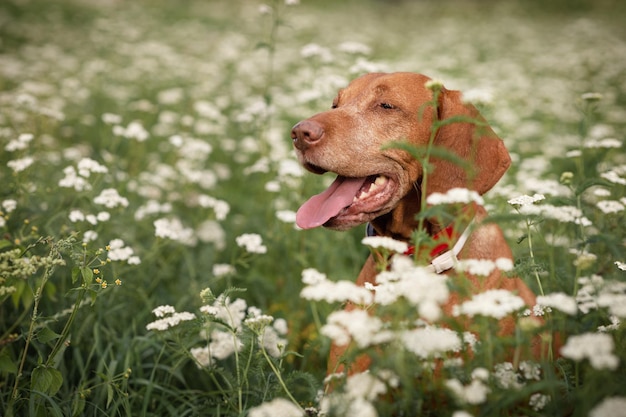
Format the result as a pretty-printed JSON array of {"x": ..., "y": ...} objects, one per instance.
[
  {"x": 87, "y": 274},
  {"x": 46, "y": 380},
  {"x": 75, "y": 273},
  {"x": 7, "y": 364},
  {"x": 46, "y": 335}
]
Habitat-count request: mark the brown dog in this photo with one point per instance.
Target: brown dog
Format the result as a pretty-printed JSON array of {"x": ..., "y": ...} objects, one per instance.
[{"x": 384, "y": 186}]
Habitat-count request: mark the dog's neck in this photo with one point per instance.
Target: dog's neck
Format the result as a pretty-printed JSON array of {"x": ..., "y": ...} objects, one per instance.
[{"x": 401, "y": 222}]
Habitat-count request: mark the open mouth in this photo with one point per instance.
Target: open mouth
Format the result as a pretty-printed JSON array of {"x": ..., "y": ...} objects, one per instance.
[{"x": 347, "y": 202}]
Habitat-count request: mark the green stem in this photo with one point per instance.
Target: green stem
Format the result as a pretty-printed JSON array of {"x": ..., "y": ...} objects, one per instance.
[
  {"x": 278, "y": 376},
  {"x": 66, "y": 329},
  {"x": 532, "y": 257}
]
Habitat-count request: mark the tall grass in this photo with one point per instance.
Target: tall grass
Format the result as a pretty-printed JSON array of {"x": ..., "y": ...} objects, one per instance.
[{"x": 147, "y": 170}]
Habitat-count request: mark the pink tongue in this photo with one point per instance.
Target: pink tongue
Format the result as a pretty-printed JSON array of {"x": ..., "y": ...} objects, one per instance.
[{"x": 329, "y": 203}]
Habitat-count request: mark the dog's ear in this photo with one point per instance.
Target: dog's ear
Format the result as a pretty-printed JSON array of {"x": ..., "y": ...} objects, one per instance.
[{"x": 470, "y": 138}]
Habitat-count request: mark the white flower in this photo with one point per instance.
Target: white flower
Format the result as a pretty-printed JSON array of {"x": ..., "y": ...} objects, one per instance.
[
  {"x": 222, "y": 270},
  {"x": 90, "y": 236},
  {"x": 559, "y": 301},
  {"x": 603, "y": 143},
  {"x": 333, "y": 292},
  {"x": 610, "y": 407},
  {"x": 539, "y": 401},
  {"x": 117, "y": 251},
  {"x": 364, "y": 385},
  {"x": 506, "y": 376},
  {"x": 610, "y": 206},
  {"x": 613, "y": 177},
  {"x": 278, "y": 407},
  {"x": 173, "y": 229},
  {"x": 19, "y": 165},
  {"x": 286, "y": 216},
  {"x": 385, "y": 242},
  {"x": 20, "y": 143},
  {"x": 76, "y": 216},
  {"x": 86, "y": 166},
  {"x": 474, "y": 393},
  {"x": 621, "y": 265},
  {"x": 356, "y": 48},
  {"x": 111, "y": 119},
  {"x": 134, "y": 130},
  {"x": 431, "y": 341},
  {"x": 526, "y": 200},
  {"x": 344, "y": 326},
  {"x": 110, "y": 198},
  {"x": 9, "y": 205},
  {"x": 251, "y": 242},
  {"x": 171, "y": 321},
  {"x": 163, "y": 310},
  {"x": 597, "y": 347},
  {"x": 455, "y": 195},
  {"x": 496, "y": 303}
]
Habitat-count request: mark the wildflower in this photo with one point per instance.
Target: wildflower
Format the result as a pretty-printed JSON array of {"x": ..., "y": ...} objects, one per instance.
[
  {"x": 384, "y": 242},
  {"x": 231, "y": 313},
  {"x": 210, "y": 231},
  {"x": 431, "y": 341},
  {"x": 621, "y": 265},
  {"x": 584, "y": 260},
  {"x": 277, "y": 407},
  {"x": 292, "y": 2},
  {"x": 222, "y": 270},
  {"x": 110, "y": 198},
  {"x": 163, "y": 310},
  {"x": 111, "y": 119},
  {"x": 610, "y": 206},
  {"x": 478, "y": 96},
  {"x": 538, "y": 401},
  {"x": 170, "y": 321},
  {"x": 173, "y": 229},
  {"x": 251, "y": 242},
  {"x": 455, "y": 195},
  {"x": 356, "y": 48},
  {"x": 610, "y": 407},
  {"x": 340, "y": 291},
  {"x": 483, "y": 267},
  {"x": 90, "y": 236},
  {"x": 559, "y": 301},
  {"x": 76, "y": 216},
  {"x": 118, "y": 282},
  {"x": 506, "y": 376},
  {"x": 134, "y": 130},
  {"x": 566, "y": 177},
  {"x": 19, "y": 165},
  {"x": 604, "y": 143},
  {"x": 591, "y": 97},
  {"x": 474, "y": 393},
  {"x": 104, "y": 284},
  {"x": 496, "y": 303},
  {"x": 461, "y": 413},
  {"x": 86, "y": 166},
  {"x": 9, "y": 205},
  {"x": 343, "y": 326},
  {"x": 20, "y": 143},
  {"x": 597, "y": 347},
  {"x": 364, "y": 385},
  {"x": 614, "y": 177},
  {"x": 265, "y": 9},
  {"x": 117, "y": 251},
  {"x": 286, "y": 216},
  {"x": 526, "y": 200},
  {"x": 434, "y": 84}
]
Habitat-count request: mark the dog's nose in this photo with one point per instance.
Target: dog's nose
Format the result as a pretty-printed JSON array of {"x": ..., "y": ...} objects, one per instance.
[{"x": 306, "y": 134}]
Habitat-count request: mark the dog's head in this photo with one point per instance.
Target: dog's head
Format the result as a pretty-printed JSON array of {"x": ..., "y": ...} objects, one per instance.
[{"x": 372, "y": 179}]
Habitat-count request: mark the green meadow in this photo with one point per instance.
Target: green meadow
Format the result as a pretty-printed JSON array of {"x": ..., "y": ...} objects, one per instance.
[{"x": 149, "y": 260}]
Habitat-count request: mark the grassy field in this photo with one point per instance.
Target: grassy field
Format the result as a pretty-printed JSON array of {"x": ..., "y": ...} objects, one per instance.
[{"x": 149, "y": 262}]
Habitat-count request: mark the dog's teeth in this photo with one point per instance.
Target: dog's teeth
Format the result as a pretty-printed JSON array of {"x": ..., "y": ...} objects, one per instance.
[{"x": 380, "y": 180}]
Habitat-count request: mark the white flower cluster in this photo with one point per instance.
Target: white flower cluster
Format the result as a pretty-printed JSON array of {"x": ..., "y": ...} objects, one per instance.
[
  {"x": 563, "y": 214},
  {"x": 170, "y": 318},
  {"x": 610, "y": 407},
  {"x": 19, "y": 144},
  {"x": 19, "y": 165},
  {"x": 134, "y": 130},
  {"x": 596, "y": 292},
  {"x": 76, "y": 177},
  {"x": 525, "y": 200},
  {"x": 175, "y": 230},
  {"x": 497, "y": 303},
  {"x": 79, "y": 216},
  {"x": 319, "y": 288},
  {"x": 384, "y": 242},
  {"x": 277, "y": 407},
  {"x": 110, "y": 198},
  {"x": 559, "y": 301},
  {"x": 251, "y": 242},
  {"x": 343, "y": 326},
  {"x": 117, "y": 251},
  {"x": 473, "y": 393},
  {"x": 597, "y": 347},
  {"x": 424, "y": 289},
  {"x": 220, "y": 207},
  {"x": 358, "y": 395},
  {"x": 454, "y": 196},
  {"x": 483, "y": 267}
]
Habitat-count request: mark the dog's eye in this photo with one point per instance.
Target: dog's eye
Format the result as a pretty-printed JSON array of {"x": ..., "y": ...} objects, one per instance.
[{"x": 387, "y": 106}]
